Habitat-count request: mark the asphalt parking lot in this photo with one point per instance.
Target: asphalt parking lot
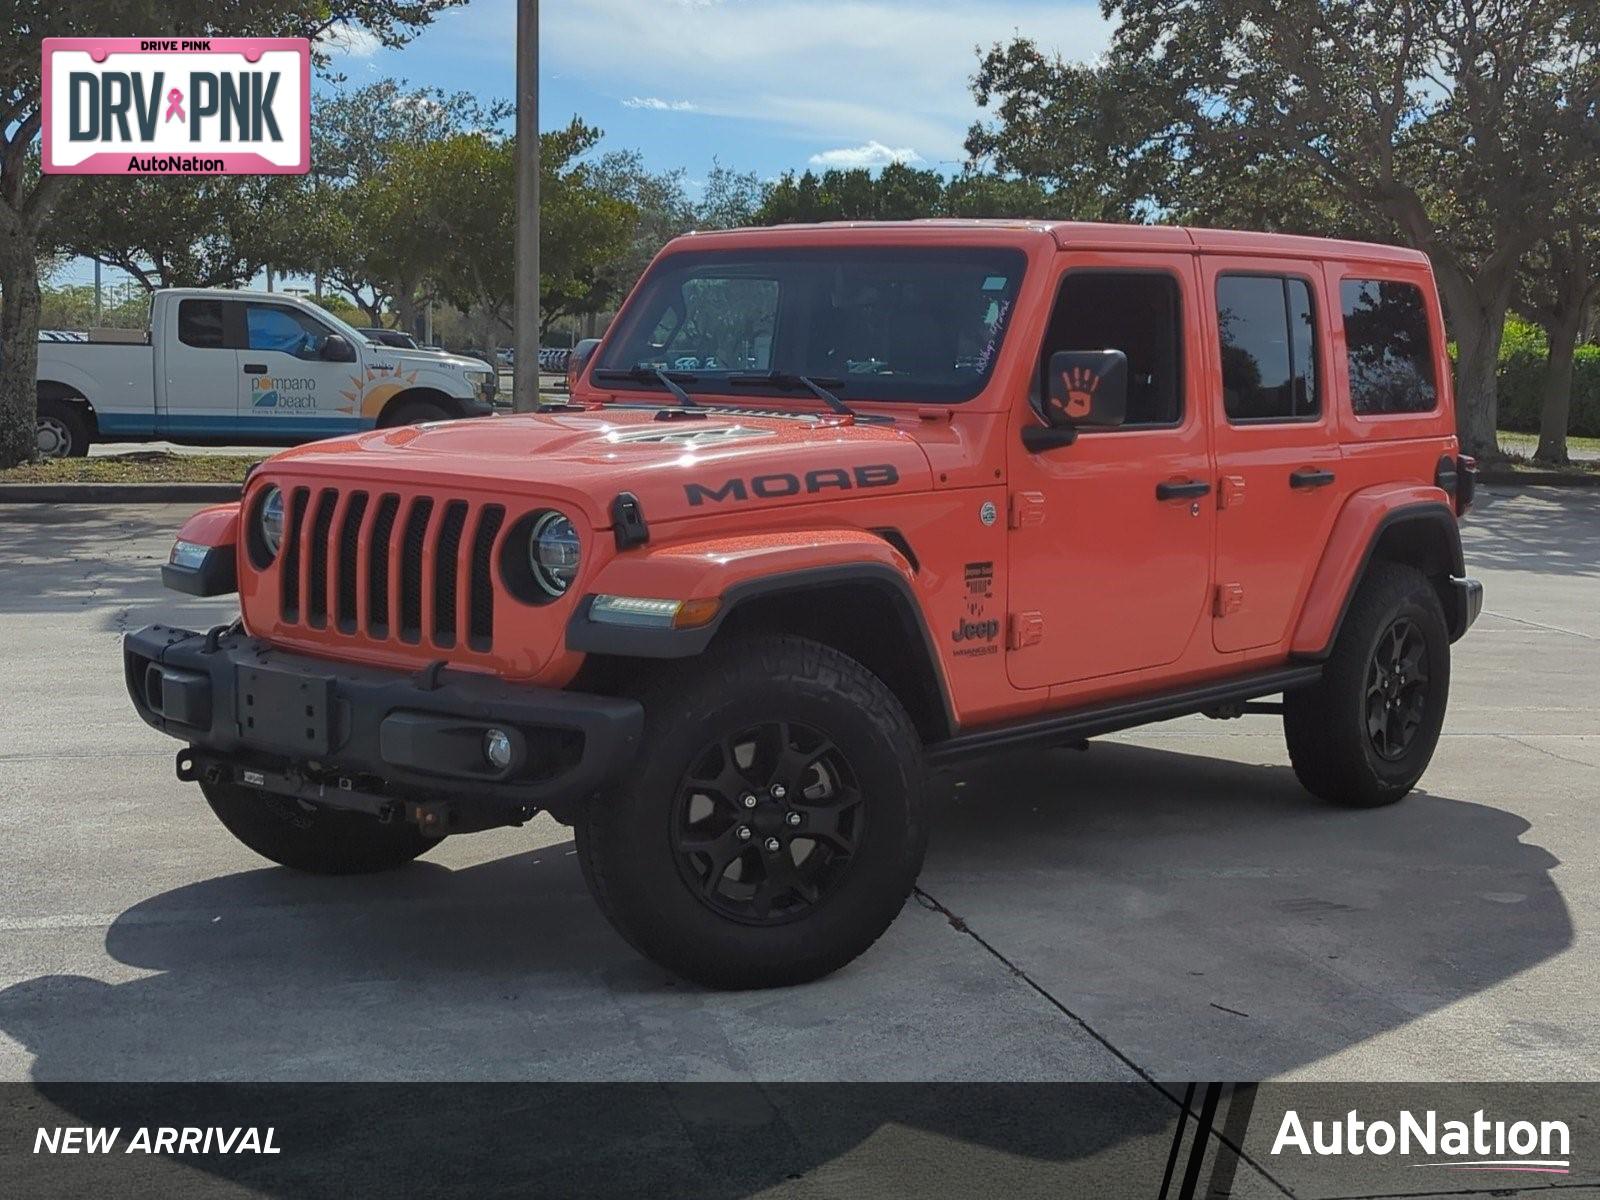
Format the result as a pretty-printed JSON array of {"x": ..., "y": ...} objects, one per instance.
[{"x": 1167, "y": 904}]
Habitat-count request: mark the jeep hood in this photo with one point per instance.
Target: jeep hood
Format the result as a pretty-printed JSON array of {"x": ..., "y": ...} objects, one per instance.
[{"x": 718, "y": 461}]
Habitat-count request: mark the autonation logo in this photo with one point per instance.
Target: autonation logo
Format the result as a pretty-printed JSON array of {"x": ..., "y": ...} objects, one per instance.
[{"x": 1478, "y": 1144}]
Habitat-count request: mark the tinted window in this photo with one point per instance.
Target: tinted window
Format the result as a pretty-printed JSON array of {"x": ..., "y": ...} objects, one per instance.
[
  {"x": 200, "y": 324},
  {"x": 1269, "y": 362},
  {"x": 1389, "y": 346},
  {"x": 1136, "y": 313},
  {"x": 922, "y": 325},
  {"x": 269, "y": 327}
]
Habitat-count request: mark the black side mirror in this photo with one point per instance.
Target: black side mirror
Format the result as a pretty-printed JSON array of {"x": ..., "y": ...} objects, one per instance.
[
  {"x": 337, "y": 348},
  {"x": 578, "y": 359},
  {"x": 1088, "y": 388}
]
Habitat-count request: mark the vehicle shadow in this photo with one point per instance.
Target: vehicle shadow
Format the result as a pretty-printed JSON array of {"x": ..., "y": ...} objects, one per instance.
[{"x": 1548, "y": 531}]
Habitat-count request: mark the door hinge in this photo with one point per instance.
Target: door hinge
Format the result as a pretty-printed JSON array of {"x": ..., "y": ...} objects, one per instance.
[
  {"x": 1024, "y": 629},
  {"x": 1027, "y": 510},
  {"x": 1230, "y": 599},
  {"x": 1230, "y": 492}
]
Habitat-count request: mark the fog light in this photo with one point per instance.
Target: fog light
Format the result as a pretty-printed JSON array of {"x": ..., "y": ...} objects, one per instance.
[{"x": 497, "y": 749}]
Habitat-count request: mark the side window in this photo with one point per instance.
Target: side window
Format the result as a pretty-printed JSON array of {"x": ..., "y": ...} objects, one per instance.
[
  {"x": 1269, "y": 359},
  {"x": 1137, "y": 313},
  {"x": 1389, "y": 346},
  {"x": 272, "y": 327},
  {"x": 200, "y": 324}
]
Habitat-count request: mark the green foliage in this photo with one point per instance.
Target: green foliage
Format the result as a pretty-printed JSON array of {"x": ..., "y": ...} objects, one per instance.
[
  {"x": 72, "y": 307},
  {"x": 1523, "y": 364}
]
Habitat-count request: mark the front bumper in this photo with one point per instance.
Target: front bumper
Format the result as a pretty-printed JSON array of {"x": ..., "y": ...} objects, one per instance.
[
  {"x": 1469, "y": 603},
  {"x": 375, "y": 740}
]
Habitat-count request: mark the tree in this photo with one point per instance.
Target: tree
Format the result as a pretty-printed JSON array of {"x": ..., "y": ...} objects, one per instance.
[
  {"x": 1559, "y": 284},
  {"x": 1456, "y": 122},
  {"x": 27, "y": 197}
]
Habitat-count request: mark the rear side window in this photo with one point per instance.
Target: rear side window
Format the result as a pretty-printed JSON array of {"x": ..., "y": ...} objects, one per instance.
[
  {"x": 1269, "y": 360},
  {"x": 1390, "y": 347},
  {"x": 200, "y": 324},
  {"x": 1137, "y": 313}
]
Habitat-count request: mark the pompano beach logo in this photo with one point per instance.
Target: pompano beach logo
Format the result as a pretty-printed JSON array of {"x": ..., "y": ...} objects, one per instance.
[
  {"x": 284, "y": 393},
  {"x": 1479, "y": 1144}
]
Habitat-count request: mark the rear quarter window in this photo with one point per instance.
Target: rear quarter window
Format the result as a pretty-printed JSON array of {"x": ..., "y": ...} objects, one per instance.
[
  {"x": 1389, "y": 347},
  {"x": 200, "y": 324}
]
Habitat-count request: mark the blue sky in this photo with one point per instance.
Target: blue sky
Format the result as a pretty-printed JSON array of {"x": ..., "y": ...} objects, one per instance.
[{"x": 759, "y": 85}]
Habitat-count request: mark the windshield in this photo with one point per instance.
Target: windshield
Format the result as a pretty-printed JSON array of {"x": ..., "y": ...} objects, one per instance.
[{"x": 919, "y": 324}]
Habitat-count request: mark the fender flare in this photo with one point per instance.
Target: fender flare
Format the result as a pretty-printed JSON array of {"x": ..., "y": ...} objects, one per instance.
[
  {"x": 827, "y": 559},
  {"x": 1366, "y": 517}
]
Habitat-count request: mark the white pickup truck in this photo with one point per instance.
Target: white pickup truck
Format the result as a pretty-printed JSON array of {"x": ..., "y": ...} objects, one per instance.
[{"x": 257, "y": 368}]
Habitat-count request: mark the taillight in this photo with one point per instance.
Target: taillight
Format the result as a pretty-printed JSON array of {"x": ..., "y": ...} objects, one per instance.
[{"x": 1466, "y": 483}]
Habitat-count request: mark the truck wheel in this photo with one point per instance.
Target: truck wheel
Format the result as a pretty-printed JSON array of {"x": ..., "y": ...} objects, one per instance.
[
  {"x": 774, "y": 823},
  {"x": 1363, "y": 735},
  {"x": 308, "y": 837},
  {"x": 417, "y": 412},
  {"x": 62, "y": 431}
]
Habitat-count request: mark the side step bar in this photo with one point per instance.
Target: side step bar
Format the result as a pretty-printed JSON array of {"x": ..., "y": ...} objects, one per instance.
[{"x": 1122, "y": 714}]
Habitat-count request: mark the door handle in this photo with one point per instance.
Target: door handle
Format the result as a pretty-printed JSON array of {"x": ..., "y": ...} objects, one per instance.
[
  {"x": 1310, "y": 477},
  {"x": 255, "y": 368},
  {"x": 1188, "y": 489}
]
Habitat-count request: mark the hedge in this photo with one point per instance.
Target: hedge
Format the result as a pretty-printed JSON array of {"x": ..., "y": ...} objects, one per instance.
[{"x": 1521, "y": 382}]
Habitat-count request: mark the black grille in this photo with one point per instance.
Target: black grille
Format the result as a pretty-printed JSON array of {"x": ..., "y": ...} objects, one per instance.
[
  {"x": 411, "y": 569},
  {"x": 378, "y": 572},
  {"x": 480, "y": 628},
  {"x": 290, "y": 549},
  {"x": 446, "y": 551},
  {"x": 317, "y": 572},
  {"x": 436, "y": 540},
  {"x": 349, "y": 559}
]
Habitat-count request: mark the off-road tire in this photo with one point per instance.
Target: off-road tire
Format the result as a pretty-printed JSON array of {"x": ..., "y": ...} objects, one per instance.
[
  {"x": 68, "y": 421},
  {"x": 626, "y": 842},
  {"x": 307, "y": 837},
  {"x": 1326, "y": 725}
]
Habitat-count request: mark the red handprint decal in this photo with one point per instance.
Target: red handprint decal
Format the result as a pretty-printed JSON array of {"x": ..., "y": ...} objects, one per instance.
[{"x": 1080, "y": 384}]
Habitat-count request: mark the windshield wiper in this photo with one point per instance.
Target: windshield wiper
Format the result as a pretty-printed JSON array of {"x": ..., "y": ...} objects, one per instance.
[
  {"x": 791, "y": 380},
  {"x": 640, "y": 373}
]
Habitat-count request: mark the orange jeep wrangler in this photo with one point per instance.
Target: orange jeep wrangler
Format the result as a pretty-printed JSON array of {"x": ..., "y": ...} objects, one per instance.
[{"x": 829, "y": 507}]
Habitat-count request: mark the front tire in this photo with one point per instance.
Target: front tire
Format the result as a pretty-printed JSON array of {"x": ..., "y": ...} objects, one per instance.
[
  {"x": 1364, "y": 735},
  {"x": 308, "y": 837},
  {"x": 774, "y": 824}
]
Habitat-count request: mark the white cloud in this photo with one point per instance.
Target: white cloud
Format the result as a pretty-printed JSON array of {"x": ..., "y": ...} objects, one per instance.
[
  {"x": 872, "y": 154},
  {"x": 657, "y": 104},
  {"x": 350, "y": 41},
  {"x": 827, "y": 73}
]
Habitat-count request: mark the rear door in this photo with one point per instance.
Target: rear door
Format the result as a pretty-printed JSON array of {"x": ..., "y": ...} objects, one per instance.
[
  {"x": 1111, "y": 536},
  {"x": 199, "y": 393},
  {"x": 1279, "y": 482}
]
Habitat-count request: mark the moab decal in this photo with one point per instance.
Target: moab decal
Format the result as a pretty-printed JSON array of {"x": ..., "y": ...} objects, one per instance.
[{"x": 780, "y": 484}]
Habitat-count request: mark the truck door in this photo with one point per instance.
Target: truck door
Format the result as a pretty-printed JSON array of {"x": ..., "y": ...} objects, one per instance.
[
  {"x": 1276, "y": 439},
  {"x": 198, "y": 396},
  {"x": 1111, "y": 537},
  {"x": 286, "y": 388}
]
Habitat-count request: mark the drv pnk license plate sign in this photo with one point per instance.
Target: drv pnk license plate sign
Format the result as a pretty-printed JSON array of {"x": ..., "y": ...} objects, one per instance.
[{"x": 177, "y": 106}]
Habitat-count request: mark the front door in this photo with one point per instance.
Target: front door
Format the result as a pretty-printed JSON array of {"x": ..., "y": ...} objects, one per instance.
[
  {"x": 286, "y": 387},
  {"x": 1111, "y": 537},
  {"x": 1277, "y": 444}
]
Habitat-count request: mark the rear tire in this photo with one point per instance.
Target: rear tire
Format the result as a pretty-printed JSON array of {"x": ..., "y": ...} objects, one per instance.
[
  {"x": 1364, "y": 735},
  {"x": 309, "y": 837},
  {"x": 835, "y": 780},
  {"x": 62, "y": 430}
]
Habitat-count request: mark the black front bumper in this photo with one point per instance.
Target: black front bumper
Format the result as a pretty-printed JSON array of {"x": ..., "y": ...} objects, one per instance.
[{"x": 375, "y": 740}]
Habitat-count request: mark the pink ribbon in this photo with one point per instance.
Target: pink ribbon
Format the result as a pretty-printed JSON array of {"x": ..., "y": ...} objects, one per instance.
[{"x": 174, "y": 105}]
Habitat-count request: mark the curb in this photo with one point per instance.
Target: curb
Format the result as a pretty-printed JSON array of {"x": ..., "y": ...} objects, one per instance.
[
  {"x": 118, "y": 493},
  {"x": 1566, "y": 479}
]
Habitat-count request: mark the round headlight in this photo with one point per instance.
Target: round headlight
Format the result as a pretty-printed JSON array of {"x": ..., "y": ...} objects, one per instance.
[
  {"x": 271, "y": 518},
  {"x": 553, "y": 553}
]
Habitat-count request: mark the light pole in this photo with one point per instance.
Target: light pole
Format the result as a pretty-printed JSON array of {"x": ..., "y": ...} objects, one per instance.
[{"x": 525, "y": 333}]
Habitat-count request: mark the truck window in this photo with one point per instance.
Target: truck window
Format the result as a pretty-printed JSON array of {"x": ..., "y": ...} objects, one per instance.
[
  {"x": 913, "y": 324},
  {"x": 200, "y": 324},
  {"x": 1389, "y": 347},
  {"x": 1269, "y": 361},
  {"x": 275, "y": 327},
  {"x": 1136, "y": 312}
]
